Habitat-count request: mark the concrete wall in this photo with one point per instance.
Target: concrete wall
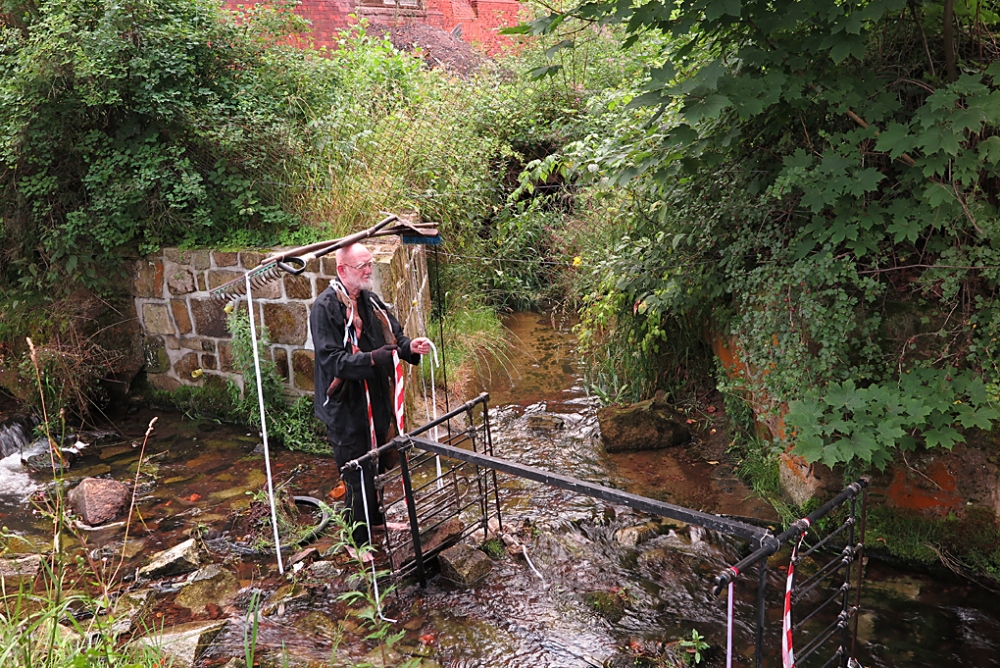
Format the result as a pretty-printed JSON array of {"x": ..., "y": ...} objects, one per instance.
[{"x": 186, "y": 341}]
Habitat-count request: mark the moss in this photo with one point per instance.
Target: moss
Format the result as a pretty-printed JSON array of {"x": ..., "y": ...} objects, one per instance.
[
  {"x": 494, "y": 548},
  {"x": 967, "y": 542},
  {"x": 608, "y": 604}
]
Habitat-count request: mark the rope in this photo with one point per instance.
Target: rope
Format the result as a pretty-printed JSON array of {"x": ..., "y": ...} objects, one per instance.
[
  {"x": 368, "y": 524},
  {"x": 729, "y": 623},
  {"x": 524, "y": 551},
  {"x": 263, "y": 424},
  {"x": 787, "y": 656}
]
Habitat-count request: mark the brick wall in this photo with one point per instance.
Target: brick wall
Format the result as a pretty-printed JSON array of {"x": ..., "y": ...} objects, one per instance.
[
  {"x": 186, "y": 341},
  {"x": 481, "y": 20}
]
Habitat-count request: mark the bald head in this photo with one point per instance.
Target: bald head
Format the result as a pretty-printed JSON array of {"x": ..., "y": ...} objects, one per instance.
[{"x": 354, "y": 267}]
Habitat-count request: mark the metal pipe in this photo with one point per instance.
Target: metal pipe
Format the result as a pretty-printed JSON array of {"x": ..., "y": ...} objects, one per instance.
[
  {"x": 707, "y": 520},
  {"x": 772, "y": 544},
  {"x": 411, "y": 509}
]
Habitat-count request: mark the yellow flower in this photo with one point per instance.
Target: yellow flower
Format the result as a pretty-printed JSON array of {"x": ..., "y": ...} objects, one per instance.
[
  {"x": 577, "y": 261},
  {"x": 197, "y": 373}
]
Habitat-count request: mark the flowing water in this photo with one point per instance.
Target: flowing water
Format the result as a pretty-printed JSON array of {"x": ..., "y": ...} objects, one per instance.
[{"x": 586, "y": 599}]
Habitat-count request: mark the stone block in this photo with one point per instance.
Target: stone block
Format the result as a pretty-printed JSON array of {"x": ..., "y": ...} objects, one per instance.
[
  {"x": 209, "y": 362},
  {"x": 201, "y": 259},
  {"x": 298, "y": 287},
  {"x": 281, "y": 362},
  {"x": 177, "y": 256},
  {"x": 191, "y": 343},
  {"x": 328, "y": 266},
  {"x": 180, "y": 280},
  {"x": 208, "y": 346},
  {"x": 155, "y": 355},
  {"x": 209, "y": 318},
  {"x": 202, "y": 282},
  {"x": 179, "y": 309},
  {"x": 217, "y": 277},
  {"x": 223, "y": 259},
  {"x": 185, "y": 365},
  {"x": 172, "y": 342},
  {"x": 287, "y": 323},
  {"x": 226, "y": 357},
  {"x": 251, "y": 259},
  {"x": 303, "y": 366},
  {"x": 156, "y": 319},
  {"x": 148, "y": 278},
  {"x": 321, "y": 285}
]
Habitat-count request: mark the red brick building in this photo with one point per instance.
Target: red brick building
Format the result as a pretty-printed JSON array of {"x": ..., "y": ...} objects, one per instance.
[{"x": 480, "y": 20}]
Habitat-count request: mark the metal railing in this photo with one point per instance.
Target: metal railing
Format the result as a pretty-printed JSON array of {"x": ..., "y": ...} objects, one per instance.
[{"x": 446, "y": 488}]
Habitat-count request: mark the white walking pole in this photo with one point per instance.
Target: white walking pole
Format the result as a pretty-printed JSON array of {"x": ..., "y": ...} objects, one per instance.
[{"x": 263, "y": 425}]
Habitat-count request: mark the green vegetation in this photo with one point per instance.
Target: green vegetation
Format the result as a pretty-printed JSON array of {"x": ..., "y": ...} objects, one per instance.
[
  {"x": 816, "y": 181},
  {"x": 289, "y": 423}
]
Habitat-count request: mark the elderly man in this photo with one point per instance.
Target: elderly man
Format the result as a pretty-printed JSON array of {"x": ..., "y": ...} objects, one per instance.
[{"x": 354, "y": 336}]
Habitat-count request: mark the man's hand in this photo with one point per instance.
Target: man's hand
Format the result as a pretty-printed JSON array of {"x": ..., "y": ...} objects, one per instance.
[
  {"x": 383, "y": 356},
  {"x": 420, "y": 346}
]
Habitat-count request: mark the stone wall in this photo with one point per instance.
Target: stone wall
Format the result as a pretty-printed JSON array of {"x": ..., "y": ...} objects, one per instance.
[{"x": 186, "y": 341}]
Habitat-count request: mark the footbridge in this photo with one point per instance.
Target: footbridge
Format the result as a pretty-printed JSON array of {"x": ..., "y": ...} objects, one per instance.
[{"x": 446, "y": 488}]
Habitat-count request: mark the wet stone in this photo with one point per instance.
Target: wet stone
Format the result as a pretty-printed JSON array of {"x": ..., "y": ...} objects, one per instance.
[
  {"x": 182, "y": 558},
  {"x": 20, "y": 571},
  {"x": 289, "y": 598},
  {"x": 323, "y": 570},
  {"x": 212, "y": 584},
  {"x": 464, "y": 565},
  {"x": 185, "y": 643},
  {"x": 608, "y": 604},
  {"x": 287, "y": 323},
  {"x": 545, "y": 422},
  {"x": 647, "y": 425},
  {"x": 98, "y": 500}
]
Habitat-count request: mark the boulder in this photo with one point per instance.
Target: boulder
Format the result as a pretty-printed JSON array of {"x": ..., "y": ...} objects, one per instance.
[
  {"x": 185, "y": 643},
  {"x": 647, "y": 425},
  {"x": 19, "y": 571},
  {"x": 324, "y": 571},
  {"x": 545, "y": 422},
  {"x": 98, "y": 500},
  {"x": 182, "y": 558},
  {"x": 464, "y": 565},
  {"x": 212, "y": 584}
]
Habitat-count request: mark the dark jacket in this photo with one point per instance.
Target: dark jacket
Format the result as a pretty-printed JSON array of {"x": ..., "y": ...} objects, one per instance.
[{"x": 346, "y": 413}]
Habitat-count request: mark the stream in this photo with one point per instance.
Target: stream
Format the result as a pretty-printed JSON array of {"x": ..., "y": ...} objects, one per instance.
[{"x": 196, "y": 473}]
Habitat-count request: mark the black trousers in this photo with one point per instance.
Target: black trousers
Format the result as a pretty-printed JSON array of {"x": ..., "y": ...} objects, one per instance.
[{"x": 354, "y": 501}]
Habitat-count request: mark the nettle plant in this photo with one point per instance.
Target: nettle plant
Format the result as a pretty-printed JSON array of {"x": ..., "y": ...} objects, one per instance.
[{"x": 825, "y": 178}]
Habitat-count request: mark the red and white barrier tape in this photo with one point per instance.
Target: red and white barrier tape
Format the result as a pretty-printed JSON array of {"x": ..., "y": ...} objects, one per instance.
[
  {"x": 399, "y": 400},
  {"x": 787, "y": 656}
]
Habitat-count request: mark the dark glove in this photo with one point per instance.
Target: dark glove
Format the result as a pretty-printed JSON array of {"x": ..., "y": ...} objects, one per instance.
[{"x": 383, "y": 356}]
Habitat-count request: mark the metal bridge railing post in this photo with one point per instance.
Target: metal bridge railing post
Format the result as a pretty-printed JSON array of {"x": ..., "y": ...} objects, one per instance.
[
  {"x": 758, "y": 654},
  {"x": 411, "y": 511},
  {"x": 845, "y": 631}
]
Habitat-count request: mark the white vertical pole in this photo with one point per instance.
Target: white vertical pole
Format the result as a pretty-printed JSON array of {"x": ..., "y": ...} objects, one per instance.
[{"x": 263, "y": 425}]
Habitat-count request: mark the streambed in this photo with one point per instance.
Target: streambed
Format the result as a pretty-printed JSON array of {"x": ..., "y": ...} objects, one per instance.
[{"x": 198, "y": 472}]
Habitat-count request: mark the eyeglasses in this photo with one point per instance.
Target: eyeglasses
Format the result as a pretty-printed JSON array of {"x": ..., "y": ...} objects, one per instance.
[{"x": 362, "y": 266}]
